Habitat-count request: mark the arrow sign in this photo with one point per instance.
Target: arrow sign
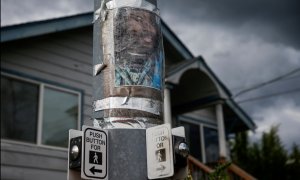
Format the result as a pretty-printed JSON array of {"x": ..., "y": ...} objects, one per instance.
[
  {"x": 161, "y": 168},
  {"x": 94, "y": 153},
  {"x": 93, "y": 170}
]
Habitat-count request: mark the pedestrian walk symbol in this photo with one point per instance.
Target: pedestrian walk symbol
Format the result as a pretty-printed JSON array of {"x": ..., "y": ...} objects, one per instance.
[{"x": 95, "y": 157}]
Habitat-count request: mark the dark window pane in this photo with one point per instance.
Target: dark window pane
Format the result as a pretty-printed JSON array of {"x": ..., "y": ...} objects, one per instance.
[
  {"x": 211, "y": 144},
  {"x": 19, "y": 109},
  {"x": 60, "y": 113},
  {"x": 192, "y": 133}
]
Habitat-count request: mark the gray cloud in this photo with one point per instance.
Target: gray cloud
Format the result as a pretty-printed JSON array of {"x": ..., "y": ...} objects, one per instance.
[
  {"x": 286, "y": 114},
  {"x": 274, "y": 20}
]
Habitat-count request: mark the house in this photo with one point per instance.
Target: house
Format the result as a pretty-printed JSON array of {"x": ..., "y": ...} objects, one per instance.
[{"x": 46, "y": 89}]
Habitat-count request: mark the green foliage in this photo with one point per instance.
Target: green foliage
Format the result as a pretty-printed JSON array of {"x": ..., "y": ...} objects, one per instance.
[
  {"x": 189, "y": 177},
  {"x": 241, "y": 143},
  {"x": 220, "y": 172},
  {"x": 293, "y": 163},
  {"x": 266, "y": 159}
]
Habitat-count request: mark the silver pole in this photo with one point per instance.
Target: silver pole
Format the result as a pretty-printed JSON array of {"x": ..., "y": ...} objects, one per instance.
[{"x": 128, "y": 63}]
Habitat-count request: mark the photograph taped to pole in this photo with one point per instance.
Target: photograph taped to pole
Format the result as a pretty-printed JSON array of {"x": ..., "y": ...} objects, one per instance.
[
  {"x": 134, "y": 58},
  {"x": 138, "y": 51}
]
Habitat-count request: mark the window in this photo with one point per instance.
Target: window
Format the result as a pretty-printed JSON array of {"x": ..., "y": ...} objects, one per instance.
[
  {"x": 192, "y": 132},
  {"x": 202, "y": 138},
  {"x": 211, "y": 144},
  {"x": 19, "y": 110},
  {"x": 36, "y": 112},
  {"x": 60, "y": 113}
]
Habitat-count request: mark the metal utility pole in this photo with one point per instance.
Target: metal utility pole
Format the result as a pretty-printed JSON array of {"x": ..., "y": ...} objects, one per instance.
[
  {"x": 128, "y": 140},
  {"x": 128, "y": 80}
]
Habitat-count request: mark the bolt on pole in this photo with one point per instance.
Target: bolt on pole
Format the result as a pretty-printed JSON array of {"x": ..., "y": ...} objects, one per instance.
[{"x": 128, "y": 64}]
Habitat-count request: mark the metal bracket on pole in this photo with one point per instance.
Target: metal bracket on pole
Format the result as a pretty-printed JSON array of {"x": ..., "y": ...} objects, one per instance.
[
  {"x": 181, "y": 152},
  {"x": 74, "y": 154},
  {"x": 89, "y": 159}
]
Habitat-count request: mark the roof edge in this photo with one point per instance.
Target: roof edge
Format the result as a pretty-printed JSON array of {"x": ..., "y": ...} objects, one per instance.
[
  {"x": 240, "y": 112},
  {"x": 173, "y": 39},
  {"x": 37, "y": 28},
  {"x": 200, "y": 58}
]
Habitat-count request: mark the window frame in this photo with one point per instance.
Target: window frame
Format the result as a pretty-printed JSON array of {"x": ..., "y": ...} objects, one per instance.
[
  {"x": 201, "y": 124},
  {"x": 200, "y": 133},
  {"x": 42, "y": 84}
]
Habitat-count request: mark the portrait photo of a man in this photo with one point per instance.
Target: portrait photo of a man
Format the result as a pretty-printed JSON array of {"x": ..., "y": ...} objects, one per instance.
[{"x": 138, "y": 48}]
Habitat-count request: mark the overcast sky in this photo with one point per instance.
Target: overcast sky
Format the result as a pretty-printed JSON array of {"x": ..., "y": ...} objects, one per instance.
[{"x": 246, "y": 43}]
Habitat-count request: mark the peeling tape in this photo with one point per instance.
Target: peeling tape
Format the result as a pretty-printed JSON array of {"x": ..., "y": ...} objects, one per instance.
[
  {"x": 97, "y": 15},
  {"x": 125, "y": 122},
  {"x": 130, "y": 3},
  {"x": 98, "y": 68},
  {"x": 118, "y": 122},
  {"x": 125, "y": 100},
  {"x": 96, "y": 123},
  {"x": 121, "y": 3},
  {"x": 136, "y": 103},
  {"x": 110, "y": 5}
]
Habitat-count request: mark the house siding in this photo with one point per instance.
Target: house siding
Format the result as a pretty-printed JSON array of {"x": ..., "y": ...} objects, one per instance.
[
  {"x": 63, "y": 58},
  {"x": 56, "y": 58},
  {"x": 19, "y": 161}
]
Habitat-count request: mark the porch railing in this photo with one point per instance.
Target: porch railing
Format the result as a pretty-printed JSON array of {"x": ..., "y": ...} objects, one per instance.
[
  {"x": 199, "y": 170},
  {"x": 239, "y": 172}
]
